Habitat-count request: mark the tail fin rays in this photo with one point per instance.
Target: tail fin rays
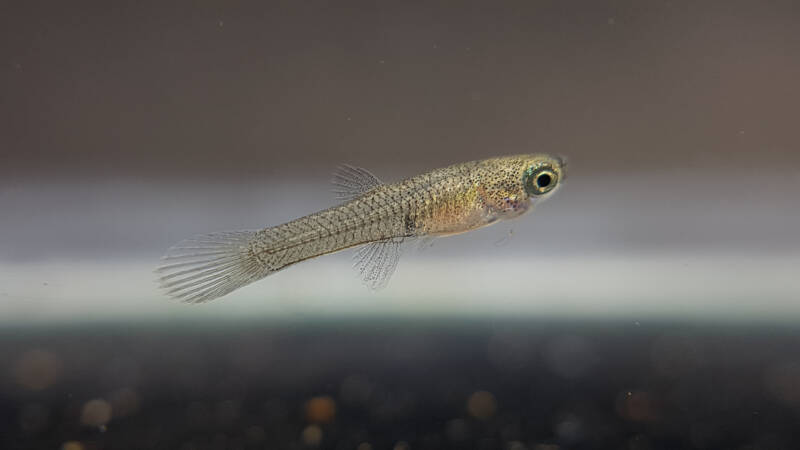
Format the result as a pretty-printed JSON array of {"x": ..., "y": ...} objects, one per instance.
[{"x": 205, "y": 267}]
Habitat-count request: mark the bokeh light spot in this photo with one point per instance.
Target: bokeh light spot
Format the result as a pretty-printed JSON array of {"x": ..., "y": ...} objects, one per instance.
[
  {"x": 638, "y": 406},
  {"x": 321, "y": 410},
  {"x": 481, "y": 405},
  {"x": 96, "y": 413},
  {"x": 312, "y": 435},
  {"x": 37, "y": 369}
]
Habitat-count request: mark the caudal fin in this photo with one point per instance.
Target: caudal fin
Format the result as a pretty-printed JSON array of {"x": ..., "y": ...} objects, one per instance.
[{"x": 209, "y": 266}]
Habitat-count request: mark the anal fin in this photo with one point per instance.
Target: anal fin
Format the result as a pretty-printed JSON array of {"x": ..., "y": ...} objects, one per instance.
[{"x": 376, "y": 262}]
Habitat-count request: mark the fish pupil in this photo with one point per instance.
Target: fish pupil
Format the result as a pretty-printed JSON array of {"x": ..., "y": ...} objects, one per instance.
[{"x": 543, "y": 180}]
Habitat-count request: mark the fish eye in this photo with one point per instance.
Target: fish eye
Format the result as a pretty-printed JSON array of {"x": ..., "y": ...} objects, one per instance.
[
  {"x": 540, "y": 180},
  {"x": 543, "y": 180}
]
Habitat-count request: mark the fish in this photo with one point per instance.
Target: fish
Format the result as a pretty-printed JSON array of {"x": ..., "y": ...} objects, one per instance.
[{"x": 374, "y": 216}]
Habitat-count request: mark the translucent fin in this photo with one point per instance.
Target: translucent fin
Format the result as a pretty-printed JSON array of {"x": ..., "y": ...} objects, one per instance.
[
  {"x": 425, "y": 243},
  {"x": 505, "y": 239},
  {"x": 209, "y": 266},
  {"x": 350, "y": 182},
  {"x": 376, "y": 262}
]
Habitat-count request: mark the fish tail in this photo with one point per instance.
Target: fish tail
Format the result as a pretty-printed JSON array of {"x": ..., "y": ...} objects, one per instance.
[{"x": 208, "y": 266}]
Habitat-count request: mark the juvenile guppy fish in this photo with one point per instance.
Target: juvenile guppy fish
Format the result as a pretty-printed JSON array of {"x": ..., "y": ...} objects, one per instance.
[{"x": 375, "y": 215}]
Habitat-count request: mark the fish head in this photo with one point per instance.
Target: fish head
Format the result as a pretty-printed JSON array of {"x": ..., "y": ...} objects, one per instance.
[{"x": 510, "y": 186}]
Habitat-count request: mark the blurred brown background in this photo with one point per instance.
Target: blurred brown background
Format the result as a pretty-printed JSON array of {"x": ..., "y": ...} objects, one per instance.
[{"x": 253, "y": 90}]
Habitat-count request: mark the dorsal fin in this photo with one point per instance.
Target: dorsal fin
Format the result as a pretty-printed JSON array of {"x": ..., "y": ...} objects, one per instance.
[{"x": 350, "y": 182}]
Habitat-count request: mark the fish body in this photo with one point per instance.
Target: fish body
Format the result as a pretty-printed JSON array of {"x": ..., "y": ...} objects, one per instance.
[{"x": 377, "y": 216}]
